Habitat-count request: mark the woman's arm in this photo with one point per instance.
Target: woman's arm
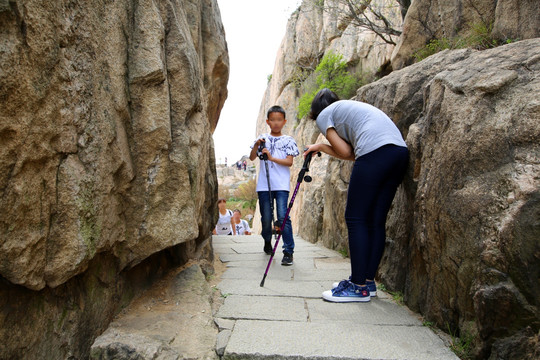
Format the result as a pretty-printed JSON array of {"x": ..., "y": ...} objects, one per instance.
[{"x": 338, "y": 147}]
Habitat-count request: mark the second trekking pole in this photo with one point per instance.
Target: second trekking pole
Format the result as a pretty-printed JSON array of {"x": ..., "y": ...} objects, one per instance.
[{"x": 301, "y": 177}]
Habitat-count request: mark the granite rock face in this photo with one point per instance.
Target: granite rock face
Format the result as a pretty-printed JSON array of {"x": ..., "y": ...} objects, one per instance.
[
  {"x": 441, "y": 19},
  {"x": 172, "y": 320},
  {"x": 462, "y": 235},
  {"x": 105, "y": 142},
  {"x": 312, "y": 32}
]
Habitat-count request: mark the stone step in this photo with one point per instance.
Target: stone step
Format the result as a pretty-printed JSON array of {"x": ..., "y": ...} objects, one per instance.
[
  {"x": 287, "y": 319},
  {"x": 172, "y": 320}
]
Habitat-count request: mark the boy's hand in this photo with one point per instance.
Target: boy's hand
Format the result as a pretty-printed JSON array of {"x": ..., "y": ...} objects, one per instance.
[
  {"x": 255, "y": 149},
  {"x": 267, "y": 152}
]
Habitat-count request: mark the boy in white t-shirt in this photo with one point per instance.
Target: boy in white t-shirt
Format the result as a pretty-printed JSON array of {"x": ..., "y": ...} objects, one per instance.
[
  {"x": 280, "y": 150},
  {"x": 240, "y": 225}
]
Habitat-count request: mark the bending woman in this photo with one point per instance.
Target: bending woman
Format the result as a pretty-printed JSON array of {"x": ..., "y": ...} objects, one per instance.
[{"x": 361, "y": 132}]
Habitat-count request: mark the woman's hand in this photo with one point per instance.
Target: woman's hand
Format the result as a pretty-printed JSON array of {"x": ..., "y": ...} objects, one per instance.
[
  {"x": 314, "y": 148},
  {"x": 338, "y": 147}
]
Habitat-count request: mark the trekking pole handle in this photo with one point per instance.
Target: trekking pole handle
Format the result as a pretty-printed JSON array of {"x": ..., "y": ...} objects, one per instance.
[
  {"x": 305, "y": 167},
  {"x": 260, "y": 149}
]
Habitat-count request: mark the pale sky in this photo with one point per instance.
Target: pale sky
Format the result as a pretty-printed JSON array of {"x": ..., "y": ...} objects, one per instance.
[{"x": 254, "y": 30}]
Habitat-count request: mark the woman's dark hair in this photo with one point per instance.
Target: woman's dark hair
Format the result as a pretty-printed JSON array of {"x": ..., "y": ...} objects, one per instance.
[
  {"x": 321, "y": 100},
  {"x": 221, "y": 200},
  {"x": 276, "y": 108}
]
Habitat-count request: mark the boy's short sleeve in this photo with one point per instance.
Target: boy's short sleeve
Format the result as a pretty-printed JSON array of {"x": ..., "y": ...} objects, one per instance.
[{"x": 290, "y": 147}]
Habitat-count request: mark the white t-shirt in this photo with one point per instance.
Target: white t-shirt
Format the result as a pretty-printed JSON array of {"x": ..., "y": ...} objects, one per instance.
[
  {"x": 280, "y": 147},
  {"x": 362, "y": 125},
  {"x": 242, "y": 227},
  {"x": 223, "y": 226}
]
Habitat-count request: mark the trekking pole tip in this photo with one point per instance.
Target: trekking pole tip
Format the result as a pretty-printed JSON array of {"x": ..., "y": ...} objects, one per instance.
[{"x": 262, "y": 282}]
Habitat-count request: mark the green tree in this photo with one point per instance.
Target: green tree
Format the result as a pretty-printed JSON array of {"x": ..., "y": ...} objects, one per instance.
[
  {"x": 331, "y": 73},
  {"x": 247, "y": 194}
]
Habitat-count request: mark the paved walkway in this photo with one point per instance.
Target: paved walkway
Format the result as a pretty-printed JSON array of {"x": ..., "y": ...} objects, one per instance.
[{"x": 287, "y": 319}]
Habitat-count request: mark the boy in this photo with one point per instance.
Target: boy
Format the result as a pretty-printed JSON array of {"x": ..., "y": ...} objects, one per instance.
[
  {"x": 280, "y": 150},
  {"x": 241, "y": 226}
]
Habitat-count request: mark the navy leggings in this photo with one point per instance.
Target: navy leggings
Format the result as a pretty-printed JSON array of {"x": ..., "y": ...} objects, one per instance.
[{"x": 374, "y": 182}]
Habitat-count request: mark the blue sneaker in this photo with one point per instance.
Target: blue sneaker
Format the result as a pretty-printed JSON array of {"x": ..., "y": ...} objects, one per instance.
[
  {"x": 346, "y": 291},
  {"x": 369, "y": 283}
]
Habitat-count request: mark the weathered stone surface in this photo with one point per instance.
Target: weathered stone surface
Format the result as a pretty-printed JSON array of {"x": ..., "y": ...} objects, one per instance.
[
  {"x": 437, "y": 19},
  {"x": 231, "y": 178},
  {"x": 463, "y": 231},
  {"x": 311, "y": 32},
  {"x": 105, "y": 152},
  {"x": 172, "y": 320},
  {"x": 462, "y": 234},
  {"x": 476, "y": 169},
  {"x": 222, "y": 340},
  {"x": 96, "y": 132}
]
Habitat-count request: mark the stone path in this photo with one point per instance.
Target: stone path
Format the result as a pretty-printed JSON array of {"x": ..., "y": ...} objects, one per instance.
[{"x": 287, "y": 319}]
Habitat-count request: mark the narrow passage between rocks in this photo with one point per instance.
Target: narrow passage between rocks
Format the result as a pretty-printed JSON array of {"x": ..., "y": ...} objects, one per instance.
[{"x": 287, "y": 318}]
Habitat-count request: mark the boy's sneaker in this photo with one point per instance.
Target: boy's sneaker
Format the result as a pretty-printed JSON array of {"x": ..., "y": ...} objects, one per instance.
[
  {"x": 369, "y": 283},
  {"x": 268, "y": 247},
  {"x": 287, "y": 259},
  {"x": 346, "y": 291}
]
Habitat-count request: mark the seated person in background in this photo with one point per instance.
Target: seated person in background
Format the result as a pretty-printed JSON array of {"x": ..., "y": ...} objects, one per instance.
[
  {"x": 225, "y": 222},
  {"x": 241, "y": 226}
]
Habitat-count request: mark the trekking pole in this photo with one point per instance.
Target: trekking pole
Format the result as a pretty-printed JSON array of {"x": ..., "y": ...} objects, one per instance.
[
  {"x": 301, "y": 177},
  {"x": 265, "y": 158}
]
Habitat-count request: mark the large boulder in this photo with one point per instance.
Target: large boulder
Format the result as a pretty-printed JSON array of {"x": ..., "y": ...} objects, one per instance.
[
  {"x": 500, "y": 21},
  {"x": 171, "y": 320},
  {"x": 462, "y": 235},
  {"x": 472, "y": 194},
  {"x": 105, "y": 147}
]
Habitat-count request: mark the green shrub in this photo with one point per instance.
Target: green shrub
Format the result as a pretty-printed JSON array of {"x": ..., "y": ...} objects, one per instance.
[
  {"x": 479, "y": 38},
  {"x": 300, "y": 75},
  {"x": 331, "y": 73},
  {"x": 461, "y": 345},
  {"x": 304, "y": 105},
  {"x": 433, "y": 47}
]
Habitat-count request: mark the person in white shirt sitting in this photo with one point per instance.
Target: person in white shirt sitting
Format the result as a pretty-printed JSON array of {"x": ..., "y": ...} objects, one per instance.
[
  {"x": 225, "y": 224},
  {"x": 241, "y": 226}
]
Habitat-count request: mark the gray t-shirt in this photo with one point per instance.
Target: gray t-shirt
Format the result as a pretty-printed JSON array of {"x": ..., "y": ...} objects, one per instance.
[{"x": 362, "y": 125}]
